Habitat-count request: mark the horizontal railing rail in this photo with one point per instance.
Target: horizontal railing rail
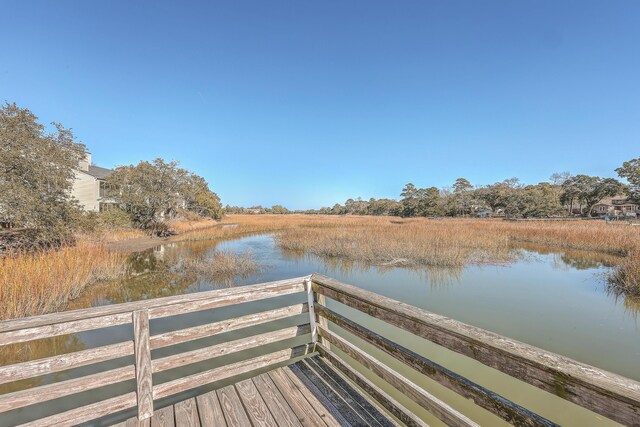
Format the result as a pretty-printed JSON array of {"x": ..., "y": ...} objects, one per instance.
[
  {"x": 606, "y": 393},
  {"x": 140, "y": 345}
]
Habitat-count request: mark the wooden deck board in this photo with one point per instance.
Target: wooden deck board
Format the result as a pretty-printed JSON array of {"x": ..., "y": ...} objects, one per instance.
[
  {"x": 210, "y": 410},
  {"x": 186, "y": 413},
  {"x": 305, "y": 393}
]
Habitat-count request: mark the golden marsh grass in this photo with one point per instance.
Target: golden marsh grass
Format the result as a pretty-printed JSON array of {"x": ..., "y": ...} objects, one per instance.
[{"x": 38, "y": 283}]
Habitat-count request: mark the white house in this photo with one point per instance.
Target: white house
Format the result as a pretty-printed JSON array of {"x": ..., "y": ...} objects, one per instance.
[{"x": 89, "y": 186}]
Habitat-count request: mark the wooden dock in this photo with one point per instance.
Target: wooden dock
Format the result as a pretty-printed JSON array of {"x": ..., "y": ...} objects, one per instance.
[
  {"x": 279, "y": 366},
  {"x": 306, "y": 393}
]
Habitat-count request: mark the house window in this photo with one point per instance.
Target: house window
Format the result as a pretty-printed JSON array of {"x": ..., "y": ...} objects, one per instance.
[{"x": 105, "y": 207}]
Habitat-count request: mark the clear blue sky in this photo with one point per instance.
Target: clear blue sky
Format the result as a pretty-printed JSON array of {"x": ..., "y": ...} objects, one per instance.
[{"x": 307, "y": 103}]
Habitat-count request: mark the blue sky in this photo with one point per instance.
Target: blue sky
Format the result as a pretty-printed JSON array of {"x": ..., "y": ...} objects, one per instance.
[{"x": 308, "y": 103}]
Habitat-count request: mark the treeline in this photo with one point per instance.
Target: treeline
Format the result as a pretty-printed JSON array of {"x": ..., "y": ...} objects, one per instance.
[
  {"x": 563, "y": 195},
  {"x": 258, "y": 210},
  {"x": 37, "y": 171}
]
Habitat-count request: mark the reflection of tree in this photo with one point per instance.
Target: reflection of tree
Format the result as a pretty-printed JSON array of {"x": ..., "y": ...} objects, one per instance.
[
  {"x": 158, "y": 272},
  {"x": 33, "y": 350}
]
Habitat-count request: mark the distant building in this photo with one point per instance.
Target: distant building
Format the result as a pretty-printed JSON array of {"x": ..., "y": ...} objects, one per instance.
[
  {"x": 616, "y": 206},
  {"x": 89, "y": 186}
]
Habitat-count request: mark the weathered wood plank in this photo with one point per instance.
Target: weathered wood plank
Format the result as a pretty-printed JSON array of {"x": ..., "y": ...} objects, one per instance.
[
  {"x": 278, "y": 406},
  {"x": 366, "y": 409},
  {"x": 606, "y": 393},
  {"x": 48, "y": 331},
  {"x": 222, "y": 349},
  {"x": 493, "y": 402},
  {"x": 307, "y": 408},
  {"x": 30, "y": 396},
  {"x": 312, "y": 314},
  {"x": 163, "y": 417},
  {"x": 392, "y": 405},
  {"x": 322, "y": 301},
  {"x": 434, "y": 405},
  {"x": 256, "y": 409},
  {"x": 232, "y": 408},
  {"x": 144, "y": 382},
  {"x": 135, "y": 422},
  {"x": 333, "y": 390},
  {"x": 336, "y": 406},
  {"x": 34, "y": 368},
  {"x": 263, "y": 292},
  {"x": 196, "y": 332},
  {"x": 86, "y": 413},
  {"x": 210, "y": 410},
  {"x": 228, "y": 371},
  {"x": 86, "y": 313},
  {"x": 186, "y": 413}
]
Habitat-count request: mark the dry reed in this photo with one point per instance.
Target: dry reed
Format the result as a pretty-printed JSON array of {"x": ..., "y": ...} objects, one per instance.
[
  {"x": 624, "y": 279},
  {"x": 421, "y": 242},
  {"x": 222, "y": 265},
  {"x": 38, "y": 283}
]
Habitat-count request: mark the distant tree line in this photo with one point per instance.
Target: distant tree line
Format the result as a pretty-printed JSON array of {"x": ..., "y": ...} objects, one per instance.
[
  {"x": 564, "y": 194},
  {"x": 258, "y": 209},
  {"x": 37, "y": 171}
]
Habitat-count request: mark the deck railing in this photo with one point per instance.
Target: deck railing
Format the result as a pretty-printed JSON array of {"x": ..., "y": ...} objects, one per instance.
[
  {"x": 140, "y": 345},
  {"x": 605, "y": 393}
]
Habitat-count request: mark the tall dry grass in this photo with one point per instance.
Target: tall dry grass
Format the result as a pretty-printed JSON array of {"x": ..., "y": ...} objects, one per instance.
[
  {"x": 446, "y": 242},
  {"x": 624, "y": 279},
  {"x": 44, "y": 282},
  {"x": 183, "y": 225},
  {"x": 222, "y": 266}
]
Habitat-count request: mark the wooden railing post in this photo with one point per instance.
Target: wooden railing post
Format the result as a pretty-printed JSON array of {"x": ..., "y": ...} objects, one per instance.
[
  {"x": 322, "y": 321},
  {"x": 312, "y": 314},
  {"x": 144, "y": 381}
]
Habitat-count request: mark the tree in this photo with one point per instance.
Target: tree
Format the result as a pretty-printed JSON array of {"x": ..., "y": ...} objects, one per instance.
[
  {"x": 631, "y": 172},
  {"x": 36, "y": 174},
  {"x": 503, "y": 195},
  {"x": 151, "y": 192},
  {"x": 462, "y": 195},
  {"x": 420, "y": 201},
  {"x": 589, "y": 190},
  {"x": 199, "y": 198},
  {"x": 539, "y": 201},
  {"x": 409, "y": 202},
  {"x": 279, "y": 210}
]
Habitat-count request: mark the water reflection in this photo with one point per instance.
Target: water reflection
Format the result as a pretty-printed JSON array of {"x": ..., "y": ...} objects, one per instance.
[{"x": 164, "y": 270}]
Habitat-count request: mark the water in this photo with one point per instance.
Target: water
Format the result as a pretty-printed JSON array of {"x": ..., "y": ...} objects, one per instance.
[{"x": 555, "y": 301}]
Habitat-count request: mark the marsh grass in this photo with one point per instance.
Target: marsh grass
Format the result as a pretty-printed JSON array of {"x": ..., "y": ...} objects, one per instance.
[
  {"x": 185, "y": 225},
  {"x": 624, "y": 279},
  {"x": 37, "y": 283},
  {"x": 448, "y": 243},
  {"x": 222, "y": 266}
]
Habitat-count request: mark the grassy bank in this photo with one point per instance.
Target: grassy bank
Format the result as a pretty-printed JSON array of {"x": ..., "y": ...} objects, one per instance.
[{"x": 38, "y": 283}]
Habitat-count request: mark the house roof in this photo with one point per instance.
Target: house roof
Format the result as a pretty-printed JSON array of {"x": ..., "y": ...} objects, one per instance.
[{"x": 98, "y": 172}]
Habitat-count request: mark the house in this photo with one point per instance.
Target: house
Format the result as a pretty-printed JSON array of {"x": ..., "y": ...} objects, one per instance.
[
  {"x": 616, "y": 206},
  {"x": 89, "y": 186}
]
